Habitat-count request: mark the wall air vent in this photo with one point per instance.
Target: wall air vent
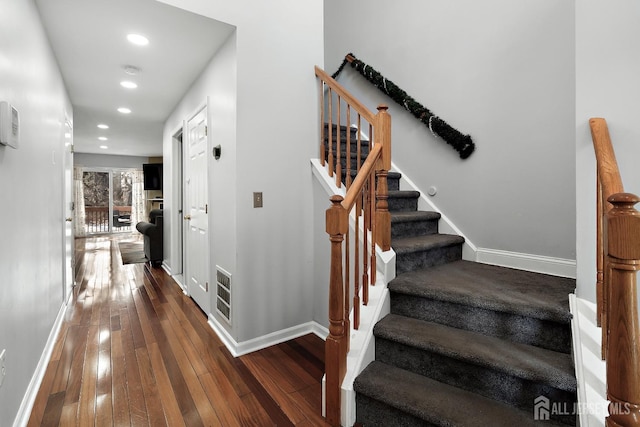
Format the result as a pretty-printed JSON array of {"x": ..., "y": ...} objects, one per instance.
[{"x": 223, "y": 293}]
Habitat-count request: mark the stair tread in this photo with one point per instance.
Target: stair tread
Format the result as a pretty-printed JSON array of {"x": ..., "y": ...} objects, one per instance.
[
  {"x": 433, "y": 401},
  {"x": 491, "y": 287},
  {"x": 404, "y": 194},
  {"x": 343, "y": 153},
  {"x": 353, "y": 139},
  {"x": 342, "y": 127},
  {"x": 405, "y": 245},
  {"x": 519, "y": 360},
  {"x": 412, "y": 216},
  {"x": 353, "y": 152}
]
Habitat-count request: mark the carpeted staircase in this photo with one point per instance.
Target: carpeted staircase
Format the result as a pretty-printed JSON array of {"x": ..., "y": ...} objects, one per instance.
[{"x": 466, "y": 344}]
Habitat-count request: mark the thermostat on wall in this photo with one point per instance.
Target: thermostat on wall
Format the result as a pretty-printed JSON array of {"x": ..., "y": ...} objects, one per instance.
[{"x": 9, "y": 125}]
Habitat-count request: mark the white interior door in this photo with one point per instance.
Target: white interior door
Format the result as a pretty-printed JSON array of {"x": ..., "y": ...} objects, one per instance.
[
  {"x": 196, "y": 207},
  {"x": 68, "y": 214}
]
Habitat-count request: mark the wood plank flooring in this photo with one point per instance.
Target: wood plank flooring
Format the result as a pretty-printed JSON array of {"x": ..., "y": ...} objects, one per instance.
[{"x": 135, "y": 351}]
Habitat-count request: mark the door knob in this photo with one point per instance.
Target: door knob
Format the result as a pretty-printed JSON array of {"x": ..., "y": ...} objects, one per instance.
[
  {"x": 69, "y": 219},
  {"x": 187, "y": 217}
]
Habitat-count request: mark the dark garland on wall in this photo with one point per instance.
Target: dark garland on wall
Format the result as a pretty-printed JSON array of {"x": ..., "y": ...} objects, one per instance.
[{"x": 438, "y": 127}]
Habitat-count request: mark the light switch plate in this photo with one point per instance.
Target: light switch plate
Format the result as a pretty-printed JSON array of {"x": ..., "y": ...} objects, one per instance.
[{"x": 257, "y": 200}]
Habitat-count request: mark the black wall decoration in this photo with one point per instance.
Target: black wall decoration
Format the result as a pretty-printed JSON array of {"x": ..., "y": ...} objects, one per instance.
[{"x": 438, "y": 127}]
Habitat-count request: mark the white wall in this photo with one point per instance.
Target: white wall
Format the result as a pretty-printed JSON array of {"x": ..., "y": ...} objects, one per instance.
[
  {"x": 109, "y": 161},
  {"x": 498, "y": 70},
  {"x": 31, "y": 258},
  {"x": 218, "y": 82},
  {"x": 277, "y": 44},
  {"x": 607, "y": 85}
]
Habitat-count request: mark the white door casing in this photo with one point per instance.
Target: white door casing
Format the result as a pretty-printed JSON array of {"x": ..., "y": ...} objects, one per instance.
[
  {"x": 68, "y": 213},
  {"x": 177, "y": 267},
  {"x": 196, "y": 210}
]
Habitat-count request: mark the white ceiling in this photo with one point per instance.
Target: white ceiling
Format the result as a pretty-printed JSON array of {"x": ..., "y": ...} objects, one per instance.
[{"x": 88, "y": 38}]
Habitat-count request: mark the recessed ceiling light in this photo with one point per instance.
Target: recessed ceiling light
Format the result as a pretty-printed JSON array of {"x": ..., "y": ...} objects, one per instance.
[
  {"x": 102, "y": 138},
  {"x": 124, "y": 110},
  {"x": 132, "y": 70},
  {"x": 103, "y": 126},
  {"x": 138, "y": 39},
  {"x": 104, "y": 147},
  {"x": 128, "y": 84}
]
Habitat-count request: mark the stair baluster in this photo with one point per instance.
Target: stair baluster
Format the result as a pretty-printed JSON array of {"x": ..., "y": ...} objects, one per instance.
[
  {"x": 330, "y": 158},
  {"x": 338, "y": 148},
  {"x": 323, "y": 136}
]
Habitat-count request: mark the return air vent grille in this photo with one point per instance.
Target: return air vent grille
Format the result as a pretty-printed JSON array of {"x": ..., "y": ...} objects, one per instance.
[{"x": 223, "y": 293}]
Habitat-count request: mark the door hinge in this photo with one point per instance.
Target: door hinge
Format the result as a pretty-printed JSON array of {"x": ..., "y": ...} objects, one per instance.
[
  {"x": 206, "y": 130},
  {"x": 206, "y": 286},
  {"x": 206, "y": 208}
]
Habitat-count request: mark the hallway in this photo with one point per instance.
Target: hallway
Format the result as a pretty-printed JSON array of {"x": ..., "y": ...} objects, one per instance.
[{"x": 134, "y": 350}]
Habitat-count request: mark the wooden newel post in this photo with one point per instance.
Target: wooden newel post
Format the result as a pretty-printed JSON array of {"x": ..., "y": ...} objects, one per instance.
[
  {"x": 622, "y": 243},
  {"x": 383, "y": 217},
  {"x": 335, "y": 344}
]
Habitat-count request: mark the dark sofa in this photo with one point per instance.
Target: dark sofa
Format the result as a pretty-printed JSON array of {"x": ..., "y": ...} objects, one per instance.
[{"x": 152, "y": 232}]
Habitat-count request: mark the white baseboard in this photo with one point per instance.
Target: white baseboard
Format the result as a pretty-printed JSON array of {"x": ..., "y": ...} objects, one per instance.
[
  {"x": 590, "y": 369},
  {"x": 274, "y": 338},
  {"x": 24, "y": 412},
  {"x": 536, "y": 263},
  {"x": 166, "y": 268},
  {"x": 176, "y": 277}
]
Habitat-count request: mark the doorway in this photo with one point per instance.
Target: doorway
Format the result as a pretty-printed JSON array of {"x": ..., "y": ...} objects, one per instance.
[
  {"x": 177, "y": 269},
  {"x": 108, "y": 198},
  {"x": 196, "y": 210}
]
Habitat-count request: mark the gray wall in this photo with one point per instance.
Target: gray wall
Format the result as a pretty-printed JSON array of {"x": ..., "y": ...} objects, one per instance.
[
  {"x": 274, "y": 103},
  {"x": 498, "y": 70},
  {"x": 218, "y": 82},
  {"x": 31, "y": 219},
  {"x": 607, "y": 85}
]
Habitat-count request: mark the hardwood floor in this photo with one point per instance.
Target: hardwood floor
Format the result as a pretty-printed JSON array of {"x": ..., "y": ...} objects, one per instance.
[{"x": 134, "y": 350}]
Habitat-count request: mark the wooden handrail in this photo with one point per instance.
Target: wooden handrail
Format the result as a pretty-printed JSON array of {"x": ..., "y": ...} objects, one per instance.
[
  {"x": 366, "y": 200},
  {"x": 361, "y": 179},
  {"x": 618, "y": 261},
  {"x": 608, "y": 183},
  {"x": 346, "y": 95},
  {"x": 605, "y": 158}
]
